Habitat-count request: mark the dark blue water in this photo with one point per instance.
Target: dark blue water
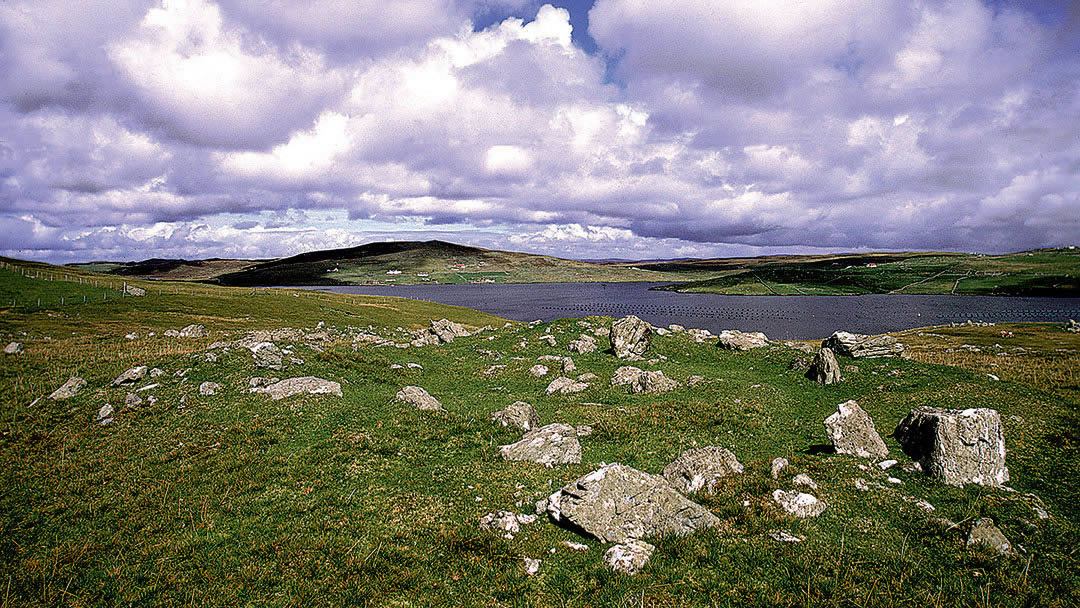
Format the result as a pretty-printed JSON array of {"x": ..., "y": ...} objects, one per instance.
[{"x": 780, "y": 317}]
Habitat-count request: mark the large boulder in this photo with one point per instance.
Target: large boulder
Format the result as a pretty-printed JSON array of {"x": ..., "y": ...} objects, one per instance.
[
  {"x": 627, "y": 374},
  {"x": 653, "y": 382},
  {"x": 701, "y": 469},
  {"x": 519, "y": 415},
  {"x": 447, "y": 330},
  {"x": 294, "y": 386},
  {"x": 732, "y": 339},
  {"x": 859, "y": 345},
  {"x": 414, "y": 395},
  {"x": 193, "y": 331},
  {"x": 824, "y": 369},
  {"x": 852, "y": 431},
  {"x": 68, "y": 389},
  {"x": 616, "y": 503},
  {"x": 565, "y": 386},
  {"x": 956, "y": 446},
  {"x": 630, "y": 337},
  {"x": 548, "y": 445},
  {"x": 131, "y": 376}
]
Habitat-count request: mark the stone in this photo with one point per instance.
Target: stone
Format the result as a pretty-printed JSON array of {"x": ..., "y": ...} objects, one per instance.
[
  {"x": 68, "y": 389},
  {"x": 531, "y": 565},
  {"x": 587, "y": 376},
  {"x": 885, "y": 465},
  {"x": 519, "y": 415},
  {"x": 731, "y": 339},
  {"x": 1073, "y": 326},
  {"x": 414, "y": 395},
  {"x": 824, "y": 369},
  {"x": 630, "y": 337},
  {"x": 132, "y": 290},
  {"x": 699, "y": 336},
  {"x": 785, "y": 537},
  {"x": 13, "y": 348},
  {"x": 131, "y": 376},
  {"x": 172, "y": 333},
  {"x": 956, "y": 447},
  {"x": 548, "y": 445},
  {"x": 985, "y": 534},
  {"x": 800, "y": 363},
  {"x": 616, "y": 503},
  {"x": 573, "y": 546},
  {"x": 694, "y": 380},
  {"x": 304, "y": 384},
  {"x": 550, "y": 339},
  {"x": 676, "y": 328},
  {"x": 851, "y": 431},
  {"x": 566, "y": 363},
  {"x": 104, "y": 415},
  {"x": 538, "y": 370},
  {"x": 701, "y": 469},
  {"x": 778, "y": 465},
  {"x": 799, "y": 504},
  {"x": 447, "y": 331},
  {"x": 583, "y": 430},
  {"x": 802, "y": 479},
  {"x": 858, "y": 345},
  {"x": 266, "y": 354},
  {"x": 584, "y": 345},
  {"x": 628, "y": 557},
  {"x": 565, "y": 386},
  {"x": 653, "y": 382},
  {"x": 258, "y": 382},
  {"x": 209, "y": 388},
  {"x": 156, "y": 371},
  {"x": 193, "y": 331},
  {"x": 627, "y": 374},
  {"x": 505, "y": 523}
]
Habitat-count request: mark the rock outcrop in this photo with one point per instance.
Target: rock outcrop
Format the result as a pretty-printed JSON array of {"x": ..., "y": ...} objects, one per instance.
[
  {"x": 858, "y": 345},
  {"x": 956, "y": 446},
  {"x": 701, "y": 469},
  {"x": 799, "y": 504},
  {"x": 548, "y": 445},
  {"x": 852, "y": 431},
  {"x": 447, "y": 331},
  {"x": 985, "y": 534},
  {"x": 193, "y": 331},
  {"x": 294, "y": 386},
  {"x": 616, "y": 503},
  {"x": 519, "y": 415},
  {"x": 824, "y": 369},
  {"x": 731, "y": 339},
  {"x": 414, "y": 395},
  {"x": 630, "y": 337},
  {"x": 639, "y": 381}
]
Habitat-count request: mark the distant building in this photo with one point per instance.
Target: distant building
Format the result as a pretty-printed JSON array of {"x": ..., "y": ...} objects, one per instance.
[{"x": 393, "y": 272}]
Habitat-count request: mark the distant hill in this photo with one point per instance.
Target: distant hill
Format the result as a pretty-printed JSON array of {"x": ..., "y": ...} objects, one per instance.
[{"x": 169, "y": 269}]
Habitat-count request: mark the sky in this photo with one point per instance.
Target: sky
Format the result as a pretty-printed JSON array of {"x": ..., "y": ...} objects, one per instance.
[{"x": 624, "y": 129}]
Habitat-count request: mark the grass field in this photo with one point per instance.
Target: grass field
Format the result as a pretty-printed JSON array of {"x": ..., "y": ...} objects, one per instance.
[
  {"x": 1045, "y": 272},
  {"x": 234, "y": 499}
]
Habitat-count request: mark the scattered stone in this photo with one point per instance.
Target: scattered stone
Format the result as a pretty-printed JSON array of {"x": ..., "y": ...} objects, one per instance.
[
  {"x": 824, "y": 369},
  {"x": 732, "y": 339},
  {"x": 132, "y": 290},
  {"x": 172, "y": 333},
  {"x": 802, "y": 479},
  {"x": 922, "y": 504},
  {"x": 986, "y": 534},
  {"x": 132, "y": 400},
  {"x": 912, "y": 467},
  {"x": 156, "y": 371},
  {"x": 304, "y": 384},
  {"x": 131, "y": 336},
  {"x": 626, "y": 374},
  {"x": 148, "y": 387},
  {"x": 653, "y": 382},
  {"x": 778, "y": 464},
  {"x": 538, "y": 370},
  {"x": 550, "y": 339},
  {"x": 800, "y": 363},
  {"x": 211, "y": 357},
  {"x": 565, "y": 386},
  {"x": 131, "y": 376},
  {"x": 956, "y": 446},
  {"x": 414, "y": 395},
  {"x": 694, "y": 380},
  {"x": 573, "y": 546},
  {"x": 583, "y": 430},
  {"x": 852, "y": 431},
  {"x": 68, "y": 389},
  {"x": 566, "y": 362},
  {"x": 885, "y": 465},
  {"x": 660, "y": 331},
  {"x": 532, "y": 566},
  {"x": 859, "y": 345},
  {"x": 630, "y": 337},
  {"x": 1073, "y": 326},
  {"x": 209, "y": 388},
  {"x": 519, "y": 415},
  {"x": 675, "y": 328},
  {"x": 584, "y": 345},
  {"x": 629, "y": 557},
  {"x": 396, "y": 366},
  {"x": 258, "y": 382},
  {"x": 104, "y": 415},
  {"x": 785, "y": 537},
  {"x": 587, "y": 376},
  {"x": 414, "y": 366},
  {"x": 700, "y": 336},
  {"x": 13, "y": 348},
  {"x": 193, "y": 331},
  {"x": 701, "y": 469},
  {"x": 616, "y": 503},
  {"x": 505, "y": 523},
  {"x": 799, "y": 504},
  {"x": 266, "y": 354},
  {"x": 548, "y": 445},
  {"x": 894, "y": 480},
  {"x": 446, "y": 331}
]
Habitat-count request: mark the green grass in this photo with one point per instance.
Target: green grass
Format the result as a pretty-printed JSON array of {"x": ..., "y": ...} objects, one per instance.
[
  {"x": 1045, "y": 272},
  {"x": 234, "y": 499}
]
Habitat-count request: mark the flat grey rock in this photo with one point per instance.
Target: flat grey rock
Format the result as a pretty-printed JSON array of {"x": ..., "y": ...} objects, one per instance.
[
  {"x": 985, "y": 534},
  {"x": 701, "y": 469},
  {"x": 731, "y": 339},
  {"x": 414, "y": 395},
  {"x": 548, "y": 445},
  {"x": 193, "y": 331},
  {"x": 68, "y": 389},
  {"x": 629, "y": 557},
  {"x": 131, "y": 376},
  {"x": 209, "y": 388},
  {"x": 295, "y": 386},
  {"x": 852, "y": 431},
  {"x": 565, "y": 386},
  {"x": 799, "y": 504},
  {"x": 518, "y": 415},
  {"x": 859, "y": 345}
]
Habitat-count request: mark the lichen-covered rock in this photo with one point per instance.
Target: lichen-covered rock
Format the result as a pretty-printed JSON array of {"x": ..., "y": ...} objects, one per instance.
[
  {"x": 294, "y": 386},
  {"x": 505, "y": 523},
  {"x": 653, "y": 382},
  {"x": 799, "y": 504},
  {"x": 626, "y": 374},
  {"x": 731, "y": 339},
  {"x": 956, "y": 446},
  {"x": 565, "y": 386},
  {"x": 131, "y": 376},
  {"x": 985, "y": 534},
  {"x": 414, "y": 395},
  {"x": 616, "y": 503},
  {"x": 858, "y": 345},
  {"x": 566, "y": 363},
  {"x": 447, "y": 331},
  {"x": 824, "y": 369},
  {"x": 266, "y": 354},
  {"x": 630, "y": 337},
  {"x": 629, "y": 557},
  {"x": 701, "y": 469},
  {"x": 68, "y": 389},
  {"x": 104, "y": 415},
  {"x": 519, "y": 415},
  {"x": 209, "y": 388},
  {"x": 538, "y": 370},
  {"x": 852, "y": 431},
  {"x": 13, "y": 348},
  {"x": 584, "y": 345},
  {"x": 778, "y": 464},
  {"x": 193, "y": 331},
  {"x": 699, "y": 336},
  {"x": 548, "y": 445}
]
